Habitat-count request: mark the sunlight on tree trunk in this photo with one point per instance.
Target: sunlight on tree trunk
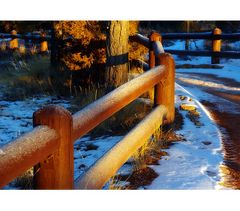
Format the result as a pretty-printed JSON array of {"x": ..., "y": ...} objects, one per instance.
[{"x": 117, "y": 53}]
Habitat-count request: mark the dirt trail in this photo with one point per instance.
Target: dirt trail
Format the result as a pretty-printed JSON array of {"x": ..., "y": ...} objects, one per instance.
[{"x": 225, "y": 110}]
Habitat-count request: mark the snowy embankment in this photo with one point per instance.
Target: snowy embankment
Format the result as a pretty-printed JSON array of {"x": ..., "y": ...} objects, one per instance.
[{"x": 194, "y": 163}]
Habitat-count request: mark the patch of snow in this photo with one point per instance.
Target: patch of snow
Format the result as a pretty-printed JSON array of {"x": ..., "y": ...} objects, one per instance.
[
  {"x": 229, "y": 71},
  {"x": 16, "y": 117},
  {"x": 191, "y": 164},
  {"x": 207, "y": 84},
  {"x": 84, "y": 158},
  {"x": 200, "y": 95}
]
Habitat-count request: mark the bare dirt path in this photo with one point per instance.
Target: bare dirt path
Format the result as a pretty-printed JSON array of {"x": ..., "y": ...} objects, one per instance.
[{"x": 224, "y": 106}]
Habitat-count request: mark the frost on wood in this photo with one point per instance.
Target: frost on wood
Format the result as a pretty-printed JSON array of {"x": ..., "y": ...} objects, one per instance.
[
  {"x": 26, "y": 151},
  {"x": 103, "y": 108},
  {"x": 108, "y": 165}
]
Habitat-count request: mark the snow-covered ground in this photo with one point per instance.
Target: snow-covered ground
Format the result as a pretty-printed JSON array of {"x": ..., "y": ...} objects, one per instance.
[
  {"x": 16, "y": 119},
  {"x": 194, "y": 163}
]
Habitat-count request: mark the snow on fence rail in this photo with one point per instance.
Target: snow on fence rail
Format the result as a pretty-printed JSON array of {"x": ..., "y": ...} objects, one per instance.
[
  {"x": 108, "y": 165},
  {"x": 49, "y": 146}
]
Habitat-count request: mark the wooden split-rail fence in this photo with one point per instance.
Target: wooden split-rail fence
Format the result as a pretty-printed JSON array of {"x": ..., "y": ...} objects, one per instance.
[
  {"x": 49, "y": 146},
  {"x": 216, "y": 36},
  {"x": 42, "y": 39}
]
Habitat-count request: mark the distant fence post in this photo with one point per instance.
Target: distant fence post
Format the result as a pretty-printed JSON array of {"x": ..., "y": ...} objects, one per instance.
[
  {"x": 216, "y": 46},
  {"x": 165, "y": 90},
  {"x": 43, "y": 43},
  {"x": 152, "y": 59},
  {"x": 152, "y": 38},
  {"x": 56, "y": 172},
  {"x": 13, "y": 44}
]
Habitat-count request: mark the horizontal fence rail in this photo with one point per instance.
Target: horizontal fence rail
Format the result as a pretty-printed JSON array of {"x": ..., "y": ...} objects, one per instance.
[
  {"x": 25, "y": 152},
  {"x": 107, "y": 166},
  {"x": 98, "y": 111},
  {"x": 216, "y": 36},
  {"x": 25, "y": 36},
  {"x": 200, "y": 35},
  {"x": 140, "y": 39}
]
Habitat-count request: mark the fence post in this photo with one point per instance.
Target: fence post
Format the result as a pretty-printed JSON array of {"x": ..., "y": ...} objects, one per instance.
[
  {"x": 216, "y": 46},
  {"x": 43, "y": 43},
  {"x": 153, "y": 37},
  {"x": 165, "y": 90},
  {"x": 13, "y": 44},
  {"x": 56, "y": 172},
  {"x": 152, "y": 59}
]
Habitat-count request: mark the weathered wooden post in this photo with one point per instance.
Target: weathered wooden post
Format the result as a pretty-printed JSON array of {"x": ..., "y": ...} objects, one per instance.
[
  {"x": 43, "y": 43},
  {"x": 216, "y": 46},
  {"x": 13, "y": 44},
  {"x": 22, "y": 49},
  {"x": 165, "y": 90},
  {"x": 56, "y": 172},
  {"x": 153, "y": 37}
]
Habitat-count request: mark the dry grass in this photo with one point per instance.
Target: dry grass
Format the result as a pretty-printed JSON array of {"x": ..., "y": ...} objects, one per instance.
[
  {"x": 25, "y": 181},
  {"x": 34, "y": 76},
  {"x": 117, "y": 183},
  {"x": 149, "y": 154}
]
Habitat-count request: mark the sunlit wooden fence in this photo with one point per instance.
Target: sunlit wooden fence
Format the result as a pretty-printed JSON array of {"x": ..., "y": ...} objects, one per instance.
[
  {"x": 14, "y": 41},
  {"x": 49, "y": 146},
  {"x": 216, "y": 36}
]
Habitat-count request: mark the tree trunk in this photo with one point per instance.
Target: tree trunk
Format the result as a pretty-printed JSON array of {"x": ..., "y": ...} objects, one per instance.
[{"x": 117, "y": 53}]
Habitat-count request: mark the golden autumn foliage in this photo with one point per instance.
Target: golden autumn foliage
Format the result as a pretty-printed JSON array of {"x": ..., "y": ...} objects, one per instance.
[
  {"x": 136, "y": 51},
  {"x": 84, "y": 34}
]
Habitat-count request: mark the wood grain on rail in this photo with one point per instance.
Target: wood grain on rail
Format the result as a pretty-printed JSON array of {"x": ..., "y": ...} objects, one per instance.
[
  {"x": 103, "y": 108},
  {"x": 100, "y": 172},
  {"x": 25, "y": 152}
]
